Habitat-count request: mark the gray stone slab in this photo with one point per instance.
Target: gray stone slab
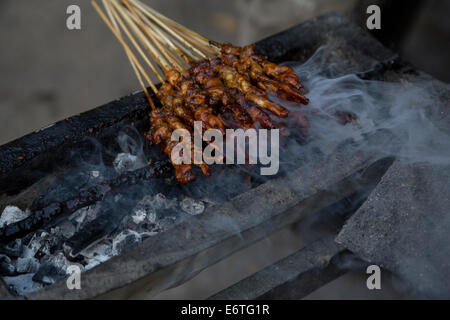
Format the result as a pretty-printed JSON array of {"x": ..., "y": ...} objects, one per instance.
[
  {"x": 293, "y": 277},
  {"x": 404, "y": 226},
  {"x": 4, "y": 292}
]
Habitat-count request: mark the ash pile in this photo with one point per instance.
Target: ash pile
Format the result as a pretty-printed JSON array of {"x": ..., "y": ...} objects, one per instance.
[{"x": 90, "y": 235}]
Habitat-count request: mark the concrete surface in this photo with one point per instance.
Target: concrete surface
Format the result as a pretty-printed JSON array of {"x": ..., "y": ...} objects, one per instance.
[{"x": 404, "y": 225}]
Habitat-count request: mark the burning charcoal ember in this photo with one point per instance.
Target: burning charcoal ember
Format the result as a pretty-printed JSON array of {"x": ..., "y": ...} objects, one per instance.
[
  {"x": 45, "y": 215},
  {"x": 125, "y": 162},
  {"x": 52, "y": 269},
  {"x": 22, "y": 284},
  {"x": 12, "y": 215},
  {"x": 193, "y": 207}
]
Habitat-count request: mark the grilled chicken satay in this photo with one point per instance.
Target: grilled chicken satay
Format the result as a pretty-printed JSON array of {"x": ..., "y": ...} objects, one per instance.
[
  {"x": 218, "y": 94},
  {"x": 170, "y": 97},
  {"x": 232, "y": 98},
  {"x": 233, "y": 79},
  {"x": 160, "y": 134},
  {"x": 246, "y": 62},
  {"x": 261, "y": 117},
  {"x": 175, "y": 123},
  {"x": 196, "y": 99},
  {"x": 284, "y": 91},
  {"x": 281, "y": 73}
]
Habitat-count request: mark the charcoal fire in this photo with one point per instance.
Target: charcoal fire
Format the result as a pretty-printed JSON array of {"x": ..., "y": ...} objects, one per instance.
[{"x": 335, "y": 122}]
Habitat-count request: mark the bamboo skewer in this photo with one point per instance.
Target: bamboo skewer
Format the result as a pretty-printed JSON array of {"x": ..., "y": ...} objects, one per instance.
[
  {"x": 155, "y": 38},
  {"x": 175, "y": 24},
  {"x": 151, "y": 36},
  {"x": 150, "y": 47},
  {"x": 135, "y": 63},
  {"x": 171, "y": 32}
]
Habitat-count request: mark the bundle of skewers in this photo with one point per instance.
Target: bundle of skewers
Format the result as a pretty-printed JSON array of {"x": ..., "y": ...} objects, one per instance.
[{"x": 220, "y": 85}]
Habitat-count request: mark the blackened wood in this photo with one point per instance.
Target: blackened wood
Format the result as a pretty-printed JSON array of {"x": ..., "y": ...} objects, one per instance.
[{"x": 55, "y": 210}]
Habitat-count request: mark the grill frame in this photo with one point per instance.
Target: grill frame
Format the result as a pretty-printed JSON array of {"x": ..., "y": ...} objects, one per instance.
[{"x": 33, "y": 156}]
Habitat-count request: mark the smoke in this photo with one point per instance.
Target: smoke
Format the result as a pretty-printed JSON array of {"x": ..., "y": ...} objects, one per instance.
[
  {"x": 401, "y": 109},
  {"x": 405, "y": 109},
  {"x": 411, "y": 113}
]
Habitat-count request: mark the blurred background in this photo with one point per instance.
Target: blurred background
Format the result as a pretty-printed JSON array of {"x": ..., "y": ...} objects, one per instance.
[{"x": 48, "y": 73}]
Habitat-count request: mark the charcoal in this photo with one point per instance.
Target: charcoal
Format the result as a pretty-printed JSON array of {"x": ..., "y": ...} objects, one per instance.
[
  {"x": 6, "y": 266},
  {"x": 139, "y": 216},
  {"x": 52, "y": 270},
  {"x": 67, "y": 229},
  {"x": 191, "y": 206},
  {"x": 107, "y": 221},
  {"x": 13, "y": 249},
  {"x": 11, "y": 215},
  {"x": 96, "y": 254},
  {"x": 43, "y": 216},
  {"x": 124, "y": 240},
  {"x": 22, "y": 284},
  {"x": 27, "y": 265}
]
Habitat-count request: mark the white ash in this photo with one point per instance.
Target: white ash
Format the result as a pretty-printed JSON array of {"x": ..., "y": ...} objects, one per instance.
[
  {"x": 151, "y": 217},
  {"x": 125, "y": 162},
  {"x": 67, "y": 229},
  {"x": 23, "y": 284},
  {"x": 97, "y": 254},
  {"x": 124, "y": 240},
  {"x": 95, "y": 173},
  {"x": 160, "y": 201},
  {"x": 27, "y": 265},
  {"x": 11, "y": 215},
  {"x": 42, "y": 267},
  {"x": 139, "y": 216},
  {"x": 151, "y": 204},
  {"x": 85, "y": 215},
  {"x": 192, "y": 206},
  {"x": 53, "y": 268}
]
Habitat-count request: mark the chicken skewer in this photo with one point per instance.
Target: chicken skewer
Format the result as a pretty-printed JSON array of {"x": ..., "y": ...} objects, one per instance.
[
  {"x": 159, "y": 125},
  {"x": 226, "y": 86}
]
